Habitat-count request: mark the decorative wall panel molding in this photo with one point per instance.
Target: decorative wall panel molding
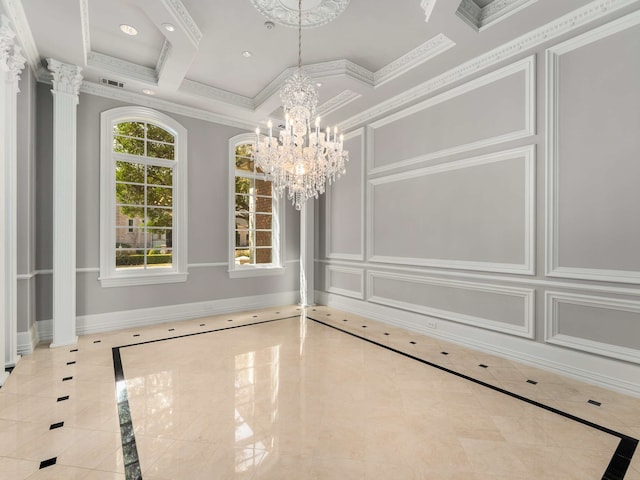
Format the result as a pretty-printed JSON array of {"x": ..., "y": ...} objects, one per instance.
[
  {"x": 554, "y": 54},
  {"x": 554, "y": 29},
  {"x": 527, "y": 267},
  {"x": 330, "y": 283},
  {"x": 606, "y": 372},
  {"x": 525, "y": 67},
  {"x": 329, "y": 251},
  {"x": 524, "y": 327},
  {"x": 552, "y": 334}
]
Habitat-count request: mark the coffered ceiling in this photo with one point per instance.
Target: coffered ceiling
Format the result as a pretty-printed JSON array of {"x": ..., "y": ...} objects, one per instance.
[{"x": 374, "y": 52}]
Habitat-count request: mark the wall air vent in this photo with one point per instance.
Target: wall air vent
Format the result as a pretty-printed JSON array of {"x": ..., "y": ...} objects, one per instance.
[{"x": 111, "y": 83}]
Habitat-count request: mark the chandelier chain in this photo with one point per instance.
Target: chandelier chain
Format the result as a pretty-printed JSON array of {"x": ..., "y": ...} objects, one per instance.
[{"x": 299, "y": 34}]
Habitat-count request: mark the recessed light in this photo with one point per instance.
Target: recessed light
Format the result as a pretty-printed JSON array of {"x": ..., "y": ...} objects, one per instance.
[
  {"x": 246, "y": 54},
  {"x": 128, "y": 29},
  {"x": 318, "y": 84},
  {"x": 147, "y": 91},
  {"x": 168, "y": 27}
]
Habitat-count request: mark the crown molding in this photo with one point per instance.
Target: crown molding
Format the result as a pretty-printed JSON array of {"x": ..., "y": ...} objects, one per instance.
[
  {"x": 162, "y": 59},
  {"x": 419, "y": 55},
  {"x": 20, "y": 25},
  {"x": 164, "y": 105},
  {"x": 123, "y": 68},
  {"x": 337, "y": 102},
  {"x": 203, "y": 90},
  {"x": 427, "y": 6},
  {"x": 480, "y": 18},
  {"x": 560, "y": 26},
  {"x": 187, "y": 23}
]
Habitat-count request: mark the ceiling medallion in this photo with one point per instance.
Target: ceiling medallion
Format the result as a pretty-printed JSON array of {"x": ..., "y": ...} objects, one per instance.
[{"x": 314, "y": 13}]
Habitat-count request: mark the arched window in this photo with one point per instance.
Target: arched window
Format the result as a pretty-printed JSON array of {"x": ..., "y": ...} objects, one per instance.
[
  {"x": 256, "y": 228},
  {"x": 143, "y": 229}
]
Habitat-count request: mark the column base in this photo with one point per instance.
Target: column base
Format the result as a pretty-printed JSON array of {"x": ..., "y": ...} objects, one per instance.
[
  {"x": 72, "y": 341},
  {"x": 3, "y": 377}
]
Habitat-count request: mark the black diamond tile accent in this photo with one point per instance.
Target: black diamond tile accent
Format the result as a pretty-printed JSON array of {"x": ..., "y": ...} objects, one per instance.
[
  {"x": 313, "y": 310},
  {"x": 444, "y": 353},
  {"x": 74, "y": 350},
  {"x": 412, "y": 343},
  {"x": 62, "y": 399},
  {"x": 328, "y": 314},
  {"x": 136, "y": 334},
  {"x": 48, "y": 462},
  {"x": 202, "y": 324},
  {"x": 364, "y": 326},
  {"x": 532, "y": 382},
  {"x": 483, "y": 365},
  {"x": 97, "y": 341},
  {"x": 171, "y": 329},
  {"x": 345, "y": 320},
  {"x": 387, "y": 333},
  {"x": 230, "y": 320},
  {"x": 71, "y": 363},
  {"x": 66, "y": 378},
  {"x": 277, "y": 313},
  {"x": 53, "y": 426},
  {"x": 255, "y": 316},
  {"x": 593, "y": 402}
]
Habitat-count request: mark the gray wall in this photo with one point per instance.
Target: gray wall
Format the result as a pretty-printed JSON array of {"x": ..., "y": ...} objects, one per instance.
[
  {"x": 474, "y": 218},
  {"x": 208, "y": 219}
]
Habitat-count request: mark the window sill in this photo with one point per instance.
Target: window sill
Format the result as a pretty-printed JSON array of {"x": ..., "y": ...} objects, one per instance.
[
  {"x": 248, "y": 272},
  {"x": 147, "y": 279}
]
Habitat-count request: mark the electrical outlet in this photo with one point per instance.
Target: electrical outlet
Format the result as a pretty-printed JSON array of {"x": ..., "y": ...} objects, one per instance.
[{"x": 432, "y": 324}]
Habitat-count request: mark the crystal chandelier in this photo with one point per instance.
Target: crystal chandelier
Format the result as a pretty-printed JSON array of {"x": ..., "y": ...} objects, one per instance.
[{"x": 304, "y": 157}]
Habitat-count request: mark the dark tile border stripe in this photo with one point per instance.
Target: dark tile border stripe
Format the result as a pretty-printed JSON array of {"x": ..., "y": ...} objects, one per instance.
[
  {"x": 621, "y": 459},
  {"x": 616, "y": 469}
]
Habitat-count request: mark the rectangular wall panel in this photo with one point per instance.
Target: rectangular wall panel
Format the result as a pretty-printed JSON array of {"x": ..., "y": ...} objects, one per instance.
[
  {"x": 473, "y": 214},
  {"x": 605, "y": 326},
  {"x": 489, "y": 110},
  {"x": 494, "y": 307},
  {"x": 344, "y": 225},
  {"x": 593, "y": 145},
  {"x": 344, "y": 281}
]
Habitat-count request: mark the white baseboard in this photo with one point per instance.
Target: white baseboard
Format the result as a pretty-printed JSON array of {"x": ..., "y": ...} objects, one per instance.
[
  {"x": 28, "y": 340},
  {"x": 104, "y": 322},
  {"x": 593, "y": 369}
]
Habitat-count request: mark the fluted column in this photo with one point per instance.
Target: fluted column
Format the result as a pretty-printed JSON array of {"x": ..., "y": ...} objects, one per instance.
[
  {"x": 11, "y": 64},
  {"x": 66, "y": 86}
]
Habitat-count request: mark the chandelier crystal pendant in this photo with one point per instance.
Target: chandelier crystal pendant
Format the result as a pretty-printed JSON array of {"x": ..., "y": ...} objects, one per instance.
[{"x": 304, "y": 157}]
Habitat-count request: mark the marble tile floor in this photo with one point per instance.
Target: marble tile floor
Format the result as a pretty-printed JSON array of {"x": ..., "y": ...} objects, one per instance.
[{"x": 272, "y": 394}]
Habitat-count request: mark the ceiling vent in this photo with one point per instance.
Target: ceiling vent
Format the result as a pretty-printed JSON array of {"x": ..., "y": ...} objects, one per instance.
[{"x": 112, "y": 83}]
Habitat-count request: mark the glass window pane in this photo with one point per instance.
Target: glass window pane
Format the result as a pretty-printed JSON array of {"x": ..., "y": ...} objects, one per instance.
[
  {"x": 126, "y": 239},
  {"x": 243, "y": 203},
  {"x": 129, "y": 258},
  {"x": 129, "y": 172},
  {"x": 130, "y": 194},
  {"x": 160, "y": 175},
  {"x": 159, "y": 240},
  {"x": 242, "y": 221},
  {"x": 131, "y": 146},
  {"x": 160, "y": 196},
  {"x": 242, "y": 238},
  {"x": 244, "y": 163},
  {"x": 264, "y": 204},
  {"x": 130, "y": 129},
  {"x": 263, "y": 187},
  {"x": 243, "y": 256},
  {"x": 157, "y": 133},
  {"x": 263, "y": 222},
  {"x": 159, "y": 217},
  {"x": 156, "y": 260},
  {"x": 263, "y": 239},
  {"x": 244, "y": 185},
  {"x": 263, "y": 255},
  {"x": 160, "y": 150}
]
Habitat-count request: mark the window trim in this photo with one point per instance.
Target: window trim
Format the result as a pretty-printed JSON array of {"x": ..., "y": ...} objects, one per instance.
[
  {"x": 109, "y": 275},
  {"x": 278, "y": 230}
]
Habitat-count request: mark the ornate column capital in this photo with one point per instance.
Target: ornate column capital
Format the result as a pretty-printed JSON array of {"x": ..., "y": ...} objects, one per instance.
[
  {"x": 66, "y": 78},
  {"x": 11, "y": 59}
]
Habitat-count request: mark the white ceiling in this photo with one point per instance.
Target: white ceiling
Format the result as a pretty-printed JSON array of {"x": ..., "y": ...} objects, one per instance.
[{"x": 374, "y": 51}]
